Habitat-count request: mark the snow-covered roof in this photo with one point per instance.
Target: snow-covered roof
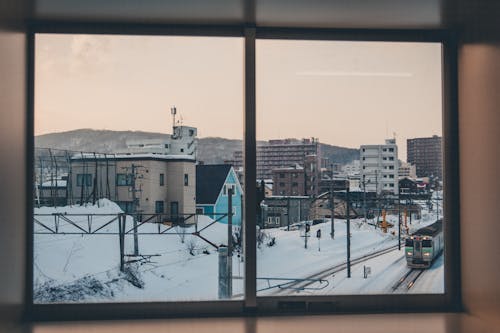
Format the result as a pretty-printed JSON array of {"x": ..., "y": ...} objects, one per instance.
[
  {"x": 133, "y": 156},
  {"x": 287, "y": 197},
  {"x": 57, "y": 183}
]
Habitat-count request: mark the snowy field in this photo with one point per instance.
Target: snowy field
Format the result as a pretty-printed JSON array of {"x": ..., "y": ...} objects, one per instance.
[{"x": 85, "y": 268}]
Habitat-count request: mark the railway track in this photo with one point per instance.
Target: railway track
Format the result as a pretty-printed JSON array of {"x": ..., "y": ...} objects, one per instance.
[
  {"x": 332, "y": 270},
  {"x": 407, "y": 281}
]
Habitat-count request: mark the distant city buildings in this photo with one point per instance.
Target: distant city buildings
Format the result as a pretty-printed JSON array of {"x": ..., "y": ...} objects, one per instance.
[
  {"x": 426, "y": 154},
  {"x": 276, "y": 154},
  {"x": 379, "y": 167}
]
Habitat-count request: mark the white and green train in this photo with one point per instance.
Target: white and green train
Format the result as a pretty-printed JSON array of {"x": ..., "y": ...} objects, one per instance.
[{"x": 424, "y": 245}]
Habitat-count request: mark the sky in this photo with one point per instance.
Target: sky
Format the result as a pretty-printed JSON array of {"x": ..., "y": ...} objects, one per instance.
[{"x": 343, "y": 93}]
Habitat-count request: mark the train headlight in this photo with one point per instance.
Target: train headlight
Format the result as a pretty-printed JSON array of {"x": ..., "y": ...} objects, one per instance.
[
  {"x": 409, "y": 253},
  {"x": 427, "y": 254}
]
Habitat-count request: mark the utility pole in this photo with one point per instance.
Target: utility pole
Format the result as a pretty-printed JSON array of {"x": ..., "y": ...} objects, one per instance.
[
  {"x": 348, "y": 235},
  {"x": 437, "y": 209},
  {"x": 364, "y": 196},
  {"x": 288, "y": 213},
  {"x": 229, "y": 262},
  {"x": 230, "y": 222},
  {"x": 332, "y": 204},
  {"x": 135, "y": 200},
  {"x": 122, "y": 219},
  {"x": 399, "y": 219},
  {"x": 94, "y": 190}
]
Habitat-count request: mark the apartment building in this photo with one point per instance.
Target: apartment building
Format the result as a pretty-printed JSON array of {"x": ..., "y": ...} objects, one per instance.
[
  {"x": 289, "y": 181},
  {"x": 427, "y": 156},
  {"x": 276, "y": 154},
  {"x": 379, "y": 167},
  {"x": 146, "y": 183}
]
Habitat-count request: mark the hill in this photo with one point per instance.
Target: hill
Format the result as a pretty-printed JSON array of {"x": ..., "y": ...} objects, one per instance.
[{"x": 211, "y": 150}]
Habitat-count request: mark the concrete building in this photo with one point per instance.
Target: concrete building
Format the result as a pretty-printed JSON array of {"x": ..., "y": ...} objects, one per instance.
[
  {"x": 427, "y": 155},
  {"x": 280, "y": 153},
  {"x": 379, "y": 167},
  {"x": 353, "y": 168},
  {"x": 51, "y": 193},
  {"x": 182, "y": 141},
  {"x": 289, "y": 181},
  {"x": 279, "y": 211},
  {"x": 407, "y": 170},
  {"x": 144, "y": 183}
]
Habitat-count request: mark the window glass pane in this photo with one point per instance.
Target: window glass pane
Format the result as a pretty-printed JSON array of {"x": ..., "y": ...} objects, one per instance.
[
  {"x": 134, "y": 142},
  {"x": 350, "y": 161}
]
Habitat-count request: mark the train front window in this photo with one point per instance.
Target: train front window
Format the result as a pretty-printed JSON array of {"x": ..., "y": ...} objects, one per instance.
[
  {"x": 427, "y": 243},
  {"x": 409, "y": 242}
]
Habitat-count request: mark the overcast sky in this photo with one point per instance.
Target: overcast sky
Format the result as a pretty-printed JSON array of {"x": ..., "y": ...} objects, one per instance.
[{"x": 344, "y": 93}]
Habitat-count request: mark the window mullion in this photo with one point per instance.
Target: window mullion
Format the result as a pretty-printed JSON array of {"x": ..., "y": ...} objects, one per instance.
[{"x": 250, "y": 172}]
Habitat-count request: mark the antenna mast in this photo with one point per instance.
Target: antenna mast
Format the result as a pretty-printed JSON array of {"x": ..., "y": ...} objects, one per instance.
[{"x": 173, "y": 111}]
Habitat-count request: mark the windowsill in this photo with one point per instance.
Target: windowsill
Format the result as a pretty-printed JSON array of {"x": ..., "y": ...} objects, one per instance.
[{"x": 373, "y": 323}]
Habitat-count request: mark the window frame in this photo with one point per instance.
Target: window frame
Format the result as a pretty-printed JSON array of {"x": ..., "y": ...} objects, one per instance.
[{"x": 251, "y": 304}]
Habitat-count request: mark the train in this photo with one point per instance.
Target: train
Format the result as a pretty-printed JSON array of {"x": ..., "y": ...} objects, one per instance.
[{"x": 424, "y": 245}]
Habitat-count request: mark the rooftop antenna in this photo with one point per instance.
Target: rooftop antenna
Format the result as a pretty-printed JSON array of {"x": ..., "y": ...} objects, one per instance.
[{"x": 173, "y": 111}]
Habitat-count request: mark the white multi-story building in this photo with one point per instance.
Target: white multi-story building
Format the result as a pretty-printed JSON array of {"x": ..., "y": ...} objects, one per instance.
[
  {"x": 183, "y": 141},
  {"x": 407, "y": 170},
  {"x": 379, "y": 167},
  {"x": 352, "y": 168}
]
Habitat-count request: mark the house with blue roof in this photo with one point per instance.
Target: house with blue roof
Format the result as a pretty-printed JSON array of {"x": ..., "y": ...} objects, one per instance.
[{"x": 212, "y": 185}]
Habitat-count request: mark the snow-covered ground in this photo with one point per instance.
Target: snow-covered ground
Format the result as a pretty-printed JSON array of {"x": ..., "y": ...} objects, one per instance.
[{"x": 85, "y": 268}]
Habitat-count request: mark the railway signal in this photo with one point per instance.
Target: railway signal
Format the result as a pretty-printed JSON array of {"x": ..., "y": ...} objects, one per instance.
[
  {"x": 318, "y": 236},
  {"x": 307, "y": 229}
]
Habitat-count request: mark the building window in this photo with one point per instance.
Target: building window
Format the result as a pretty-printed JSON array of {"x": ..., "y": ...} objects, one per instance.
[
  {"x": 123, "y": 179},
  {"x": 84, "y": 179},
  {"x": 186, "y": 179},
  {"x": 162, "y": 179},
  {"x": 126, "y": 206},
  {"x": 282, "y": 184},
  {"x": 282, "y": 175},
  {"x": 226, "y": 187},
  {"x": 159, "y": 207},
  {"x": 295, "y": 184}
]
